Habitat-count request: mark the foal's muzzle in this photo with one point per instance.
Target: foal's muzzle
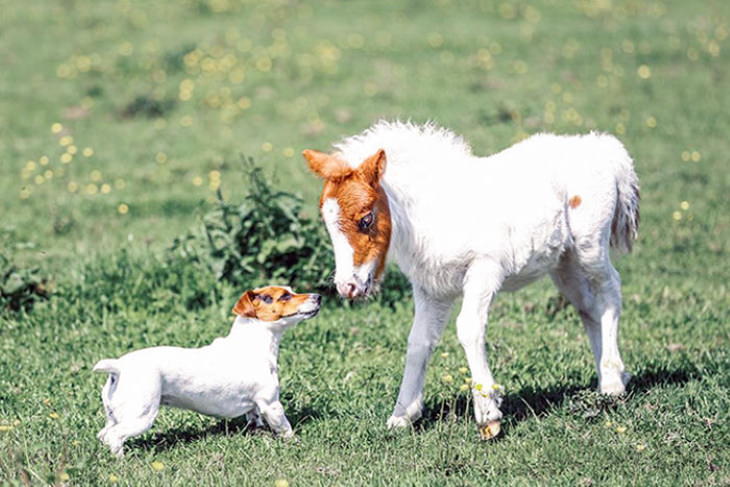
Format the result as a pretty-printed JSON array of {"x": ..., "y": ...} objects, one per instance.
[{"x": 354, "y": 288}]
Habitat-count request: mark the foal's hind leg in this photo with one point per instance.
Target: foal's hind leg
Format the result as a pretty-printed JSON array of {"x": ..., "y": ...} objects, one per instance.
[{"x": 595, "y": 290}]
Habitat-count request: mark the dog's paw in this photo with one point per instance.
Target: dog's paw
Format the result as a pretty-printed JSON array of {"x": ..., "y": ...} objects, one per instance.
[{"x": 118, "y": 451}]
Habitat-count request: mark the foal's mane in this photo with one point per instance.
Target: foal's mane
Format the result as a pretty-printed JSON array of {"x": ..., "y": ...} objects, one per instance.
[{"x": 403, "y": 142}]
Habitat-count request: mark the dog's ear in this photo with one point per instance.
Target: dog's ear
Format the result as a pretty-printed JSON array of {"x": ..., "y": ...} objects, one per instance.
[
  {"x": 244, "y": 306},
  {"x": 326, "y": 166}
]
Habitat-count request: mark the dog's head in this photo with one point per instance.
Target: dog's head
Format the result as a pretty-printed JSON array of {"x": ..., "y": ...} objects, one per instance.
[{"x": 277, "y": 305}]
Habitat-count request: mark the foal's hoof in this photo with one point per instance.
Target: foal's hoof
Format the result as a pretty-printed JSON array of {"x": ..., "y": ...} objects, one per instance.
[
  {"x": 616, "y": 387},
  {"x": 490, "y": 430},
  {"x": 398, "y": 422}
]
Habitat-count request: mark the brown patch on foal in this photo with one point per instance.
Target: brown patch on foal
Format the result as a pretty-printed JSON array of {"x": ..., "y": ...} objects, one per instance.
[{"x": 361, "y": 198}]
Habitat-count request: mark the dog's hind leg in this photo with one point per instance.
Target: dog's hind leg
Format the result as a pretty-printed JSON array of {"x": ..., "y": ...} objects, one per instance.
[
  {"x": 134, "y": 406},
  {"x": 106, "y": 394},
  {"x": 120, "y": 432}
]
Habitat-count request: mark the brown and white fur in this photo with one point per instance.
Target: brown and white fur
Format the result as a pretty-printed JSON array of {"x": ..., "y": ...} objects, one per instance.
[
  {"x": 233, "y": 376},
  {"x": 459, "y": 225}
]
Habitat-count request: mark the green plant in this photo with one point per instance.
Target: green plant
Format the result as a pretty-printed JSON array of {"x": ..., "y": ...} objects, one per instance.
[
  {"x": 267, "y": 239},
  {"x": 263, "y": 239},
  {"x": 20, "y": 288}
]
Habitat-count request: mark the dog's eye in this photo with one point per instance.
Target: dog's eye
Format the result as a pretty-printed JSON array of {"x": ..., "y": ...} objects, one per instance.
[
  {"x": 285, "y": 297},
  {"x": 266, "y": 298},
  {"x": 366, "y": 221}
]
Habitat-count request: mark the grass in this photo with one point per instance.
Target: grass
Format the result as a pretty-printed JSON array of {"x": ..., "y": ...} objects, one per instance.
[{"x": 166, "y": 128}]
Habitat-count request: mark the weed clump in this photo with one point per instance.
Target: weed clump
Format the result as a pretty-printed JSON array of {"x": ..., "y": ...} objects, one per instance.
[
  {"x": 266, "y": 239},
  {"x": 261, "y": 240},
  {"x": 20, "y": 288}
]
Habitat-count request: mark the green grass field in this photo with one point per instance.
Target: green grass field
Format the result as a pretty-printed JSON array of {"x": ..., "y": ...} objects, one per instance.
[{"x": 120, "y": 119}]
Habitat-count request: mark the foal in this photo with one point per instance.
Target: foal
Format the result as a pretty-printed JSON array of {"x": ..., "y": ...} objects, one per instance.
[{"x": 461, "y": 225}]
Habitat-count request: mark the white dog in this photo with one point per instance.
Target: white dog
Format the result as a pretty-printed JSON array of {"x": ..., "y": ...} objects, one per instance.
[{"x": 232, "y": 376}]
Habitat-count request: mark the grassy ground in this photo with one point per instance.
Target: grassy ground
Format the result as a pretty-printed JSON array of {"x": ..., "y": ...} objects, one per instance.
[{"x": 120, "y": 119}]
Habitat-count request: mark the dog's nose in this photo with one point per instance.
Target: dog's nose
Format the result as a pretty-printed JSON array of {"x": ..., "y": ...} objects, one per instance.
[{"x": 317, "y": 298}]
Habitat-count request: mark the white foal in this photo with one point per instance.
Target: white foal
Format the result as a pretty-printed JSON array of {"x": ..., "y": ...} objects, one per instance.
[{"x": 461, "y": 225}]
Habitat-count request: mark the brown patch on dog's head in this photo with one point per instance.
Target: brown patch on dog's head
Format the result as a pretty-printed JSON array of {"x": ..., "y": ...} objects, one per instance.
[
  {"x": 575, "y": 201},
  {"x": 244, "y": 306},
  {"x": 270, "y": 303}
]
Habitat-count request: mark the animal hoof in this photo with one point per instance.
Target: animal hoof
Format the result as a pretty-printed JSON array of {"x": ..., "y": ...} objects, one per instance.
[
  {"x": 490, "y": 430},
  {"x": 613, "y": 388},
  {"x": 398, "y": 422}
]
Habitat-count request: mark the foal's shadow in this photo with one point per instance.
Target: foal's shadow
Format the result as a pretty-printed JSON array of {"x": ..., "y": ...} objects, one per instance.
[
  {"x": 168, "y": 439},
  {"x": 580, "y": 399}
]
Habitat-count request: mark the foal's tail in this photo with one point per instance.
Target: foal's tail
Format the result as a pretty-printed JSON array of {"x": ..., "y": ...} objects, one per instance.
[{"x": 625, "y": 223}]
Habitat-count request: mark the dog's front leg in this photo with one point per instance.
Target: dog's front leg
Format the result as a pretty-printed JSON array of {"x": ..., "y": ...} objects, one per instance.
[
  {"x": 273, "y": 413},
  {"x": 428, "y": 324}
]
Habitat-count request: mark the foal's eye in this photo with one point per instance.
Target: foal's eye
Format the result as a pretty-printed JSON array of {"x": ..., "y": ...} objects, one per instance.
[
  {"x": 285, "y": 297},
  {"x": 266, "y": 298},
  {"x": 366, "y": 221}
]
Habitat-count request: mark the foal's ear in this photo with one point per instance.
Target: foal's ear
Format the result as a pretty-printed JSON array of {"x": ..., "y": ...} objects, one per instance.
[
  {"x": 244, "y": 307},
  {"x": 325, "y": 165},
  {"x": 373, "y": 167}
]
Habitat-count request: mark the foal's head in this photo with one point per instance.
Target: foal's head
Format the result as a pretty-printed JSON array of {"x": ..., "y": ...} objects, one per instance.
[{"x": 355, "y": 210}]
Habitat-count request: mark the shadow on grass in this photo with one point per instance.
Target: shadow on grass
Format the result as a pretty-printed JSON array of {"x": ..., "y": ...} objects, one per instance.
[
  {"x": 226, "y": 427},
  {"x": 582, "y": 400}
]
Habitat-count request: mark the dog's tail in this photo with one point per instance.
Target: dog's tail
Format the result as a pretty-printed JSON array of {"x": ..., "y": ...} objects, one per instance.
[
  {"x": 625, "y": 223},
  {"x": 108, "y": 365}
]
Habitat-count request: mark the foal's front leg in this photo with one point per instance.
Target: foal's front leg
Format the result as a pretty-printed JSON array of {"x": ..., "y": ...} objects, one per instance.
[
  {"x": 428, "y": 324},
  {"x": 481, "y": 283}
]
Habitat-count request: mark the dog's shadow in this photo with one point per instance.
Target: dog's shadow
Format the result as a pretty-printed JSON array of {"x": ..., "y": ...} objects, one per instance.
[
  {"x": 580, "y": 399},
  {"x": 168, "y": 439}
]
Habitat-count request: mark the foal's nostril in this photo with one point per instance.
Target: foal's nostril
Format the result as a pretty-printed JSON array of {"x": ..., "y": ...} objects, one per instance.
[{"x": 351, "y": 289}]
